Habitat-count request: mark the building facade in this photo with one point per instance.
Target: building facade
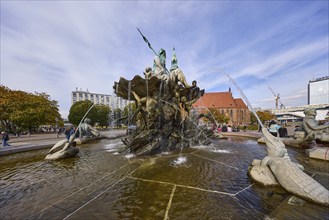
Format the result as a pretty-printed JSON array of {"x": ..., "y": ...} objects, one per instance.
[
  {"x": 296, "y": 114},
  {"x": 227, "y": 105},
  {"x": 112, "y": 101},
  {"x": 318, "y": 91}
]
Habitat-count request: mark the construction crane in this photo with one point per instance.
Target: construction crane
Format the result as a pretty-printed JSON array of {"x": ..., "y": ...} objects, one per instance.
[{"x": 277, "y": 99}]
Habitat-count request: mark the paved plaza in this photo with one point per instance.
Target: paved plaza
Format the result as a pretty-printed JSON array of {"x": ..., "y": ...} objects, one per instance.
[{"x": 44, "y": 140}]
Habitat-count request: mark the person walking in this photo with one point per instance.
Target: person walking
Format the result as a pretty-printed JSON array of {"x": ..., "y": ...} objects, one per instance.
[
  {"x": 259, "y": 127},
  {"x": 5, "y": 139},
  {"x": 58, "y": 132},
  {"x": 67, "y": 132}
]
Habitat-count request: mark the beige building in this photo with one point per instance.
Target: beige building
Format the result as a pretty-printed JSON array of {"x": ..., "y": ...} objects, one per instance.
[{"x": 112, "y": 101}]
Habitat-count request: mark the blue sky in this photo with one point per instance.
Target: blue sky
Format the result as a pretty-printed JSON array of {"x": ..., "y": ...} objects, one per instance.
[{"x": 56, "y": 46}]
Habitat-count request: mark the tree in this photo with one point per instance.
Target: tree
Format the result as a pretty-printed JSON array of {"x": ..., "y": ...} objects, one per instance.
[
  {"x": 79, "y": 109},
  {"x": 215, "y": 115},
  {"x": 263, "y": 116},
  {"x": 128, "y": 112},
  {"x": 26, "y": 110},
  {"x": 5, "y": 107},
  {"x": 103, "y": 113},
  {"x": 99, "y": 113}
]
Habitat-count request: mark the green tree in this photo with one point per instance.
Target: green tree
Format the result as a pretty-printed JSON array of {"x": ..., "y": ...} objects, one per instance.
[
  {"x": 99, "y": 113},
  {"x": 103, "y": 113},
  {"x": 128, "y": 112},
  {"x": 79, "y": 109},
  {"x": 117, "y": 117}
]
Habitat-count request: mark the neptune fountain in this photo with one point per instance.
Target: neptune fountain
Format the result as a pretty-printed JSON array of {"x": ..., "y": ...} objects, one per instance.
[
  {"x": 163, "y": 120},
  {"x": 164, "y": 123},
  {"x": 112, "y": 179}
]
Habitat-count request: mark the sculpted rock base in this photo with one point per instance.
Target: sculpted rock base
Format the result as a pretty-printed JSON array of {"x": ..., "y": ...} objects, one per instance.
[
  {"x": 70, "y": 152},
  {"x": 67, "y": 148},
  {"x": 262, "y": 175},
  {"x": 321, "y": 153}
]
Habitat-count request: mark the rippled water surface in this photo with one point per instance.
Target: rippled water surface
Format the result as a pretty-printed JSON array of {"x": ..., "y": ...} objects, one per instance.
[{"x": 203, "y": 182}]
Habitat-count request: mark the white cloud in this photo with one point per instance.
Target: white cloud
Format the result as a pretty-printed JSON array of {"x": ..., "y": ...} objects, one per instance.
[{"x": 55, "y": 46}]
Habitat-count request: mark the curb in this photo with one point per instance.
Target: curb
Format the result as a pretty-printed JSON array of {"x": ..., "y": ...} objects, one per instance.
[
  {"x": 241, "y": 134},
  {"x": 13, "y": 150}
]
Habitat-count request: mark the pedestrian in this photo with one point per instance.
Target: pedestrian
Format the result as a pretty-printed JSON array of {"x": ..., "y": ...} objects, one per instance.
[
  {"x": 72, "y": 131},
  {"x": 58, "y": 132},
  {"x": 283, "y": 132},
  {"x": 214, "y": 127},
  {"x": 273, "y": 128},
  {"x": 224, "y": 128},
  {"x": 5, "y": 139},
  {"x": 259, "y": 127},
  {"x": 67, "y": 133}
]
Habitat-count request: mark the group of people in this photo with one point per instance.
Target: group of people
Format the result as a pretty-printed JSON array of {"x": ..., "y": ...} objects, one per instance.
[
  {"x": 276, "y": 129},
  {"x": 227, "y": 128},
  {"x": 69, "y": 131},
  {"x": 4, "y": 139}
]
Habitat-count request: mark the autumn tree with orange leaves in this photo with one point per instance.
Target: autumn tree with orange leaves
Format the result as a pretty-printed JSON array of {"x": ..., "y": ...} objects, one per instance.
[{"x": 26, "y": 111}]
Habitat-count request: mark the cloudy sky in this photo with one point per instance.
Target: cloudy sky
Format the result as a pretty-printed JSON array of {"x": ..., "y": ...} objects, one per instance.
[{"x": 56, "y": 46}]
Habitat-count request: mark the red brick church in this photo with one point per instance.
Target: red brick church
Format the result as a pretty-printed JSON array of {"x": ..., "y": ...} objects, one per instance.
[{"x": 226, "y": 104}]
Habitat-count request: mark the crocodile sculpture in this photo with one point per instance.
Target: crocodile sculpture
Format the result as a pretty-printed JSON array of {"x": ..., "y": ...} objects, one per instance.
[{"x": 278, "y": 169}]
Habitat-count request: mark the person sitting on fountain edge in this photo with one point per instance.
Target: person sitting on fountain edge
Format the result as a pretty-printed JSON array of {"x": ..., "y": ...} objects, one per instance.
[
  {"x": 283, "y": 132},
  {"x": 273, "y": 128}
]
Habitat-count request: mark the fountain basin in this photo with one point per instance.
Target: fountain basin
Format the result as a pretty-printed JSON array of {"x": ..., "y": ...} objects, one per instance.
[{"x": 210, "y": 183}]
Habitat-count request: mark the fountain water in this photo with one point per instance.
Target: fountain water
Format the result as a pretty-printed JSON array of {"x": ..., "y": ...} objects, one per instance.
[
  {"x": 114, "y": 185},
  {"x": 129, "y": 107},
  {"x": 112, "y": 110}
]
